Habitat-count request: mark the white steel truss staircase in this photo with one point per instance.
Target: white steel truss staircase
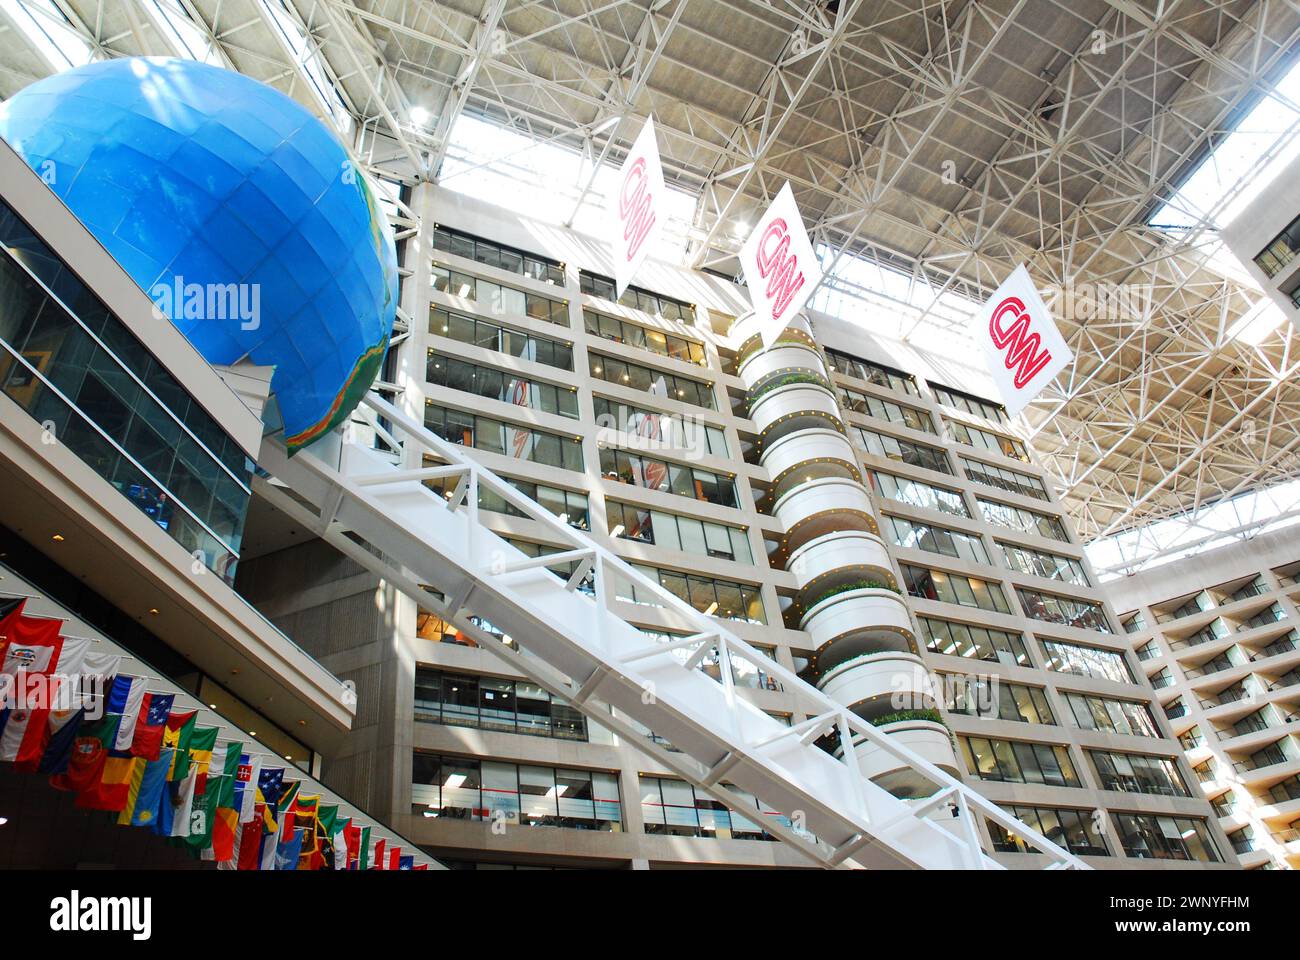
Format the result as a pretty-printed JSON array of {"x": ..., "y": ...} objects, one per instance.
[{"x": 387, "y": 518}]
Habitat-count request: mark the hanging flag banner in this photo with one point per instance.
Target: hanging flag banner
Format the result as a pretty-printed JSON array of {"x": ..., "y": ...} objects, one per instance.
[
  {"x": 1024, "y": 349},
  {"x": 780, "y": 267},
  {"x": 636, "y": 216}
]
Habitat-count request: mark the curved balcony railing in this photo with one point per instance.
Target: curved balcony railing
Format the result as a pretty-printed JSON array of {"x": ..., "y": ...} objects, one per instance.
[
  {"x": 807, "y": 456},
  {"x": 928, "y": 738},
  {"x": 824, "y": 506},
  {"x": 878, "y": 684},
  {"x": 794, "y": 407},
  {"x": 857, "y": 622},
  {"x": 840, "y": 558}
]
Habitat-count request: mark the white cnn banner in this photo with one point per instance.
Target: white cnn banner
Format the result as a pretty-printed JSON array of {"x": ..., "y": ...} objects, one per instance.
[
  {"x": 1025, "y": 351},
  {"x": 635, "y": 218},
  {"x": 780, "y": 268}
]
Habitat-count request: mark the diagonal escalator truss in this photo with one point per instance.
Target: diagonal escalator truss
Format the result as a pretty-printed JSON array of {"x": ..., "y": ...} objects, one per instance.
[{"x": 389, "y": 519}]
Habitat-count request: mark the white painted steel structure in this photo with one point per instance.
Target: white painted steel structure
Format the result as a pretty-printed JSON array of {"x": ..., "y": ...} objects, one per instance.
[
  {"x": 946, "y": 140},
  {"x": 577, "y": 645}
]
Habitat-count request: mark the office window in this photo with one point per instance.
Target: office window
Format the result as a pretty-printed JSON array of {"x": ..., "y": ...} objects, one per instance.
[
  {"x": 641, "y": 471},
  {"x": 1138, "y": 773},
  {"x": 886, "y": 410},
  {"x": 465, "y": 788},
  {"x": 955, "y": 639},
  {"x": 1017, "y": 761},
  {"x": 1133, "y": 622},
  {"x": 1281, "y": 250},
  {"x": 877, "y": 373},
  {"x": 675, "y": 808},
  {"x": 445, "y": 371},
  {"x": 954, "y": 588},
  {"x": 1011, "y": 480},
  {"x": 594, "y": 285},
  {"x": 924, "y": 536},
  {"x": 964, "y": 401},
  {"x": 1154, "y": 837},
  {"x": 1269, "y": 615},
  {"x": 493, "y": 703},
  {"x": 498, "y": 255},
  {"x": 1075, "y": 830},
  {"x": 646, "y": 338},
  {"x": 669, "y": 429},
  {"x": 1025, "y": 521},
  {"x": 702, "y": 537},
  {"x": 1086, "y": 661},
  {"x": 1067, "y": 611},
  {"x": 496, "y": 298},
  {"x": 1041, "y": 564},
  {"x": 500, "y": 338},
  {"x": 1127, "y": 717},
  {"x": 993, "y": 442},
  {"x": 916, "y": 454},
  {"x": 649, "y": 380},
  {"x": 507, "y": 439},
  {"x": 725, "y": 599},
  {"x": 993, "y": 698},
  {"x": 563, "y": 503},
  {"x": 915, "y": 493},
  {"x": 69, "y": 362}
]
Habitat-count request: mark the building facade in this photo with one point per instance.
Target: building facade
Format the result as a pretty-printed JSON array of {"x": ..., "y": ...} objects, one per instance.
[
  {"x": 854, "y": 507},
  {"x": 1216, "y": 635},
  {"x": 1265, "y": 237}
]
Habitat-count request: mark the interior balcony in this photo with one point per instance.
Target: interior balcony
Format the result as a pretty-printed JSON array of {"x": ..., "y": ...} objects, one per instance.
[
  {"x": 794, "y": 350},
  {"x": 857, "y": 622},
  {"x": 879, "y": 684},
  {"x": 793, "y": 408},
  {"x": 815, "y": 509},
  {"x": 807, "y": 456},
  {"x": 836, "y": 560},
  {"x": 928, "y": 738}
]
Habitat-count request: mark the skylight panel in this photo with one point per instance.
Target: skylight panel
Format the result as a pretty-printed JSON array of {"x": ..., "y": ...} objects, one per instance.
[
  {"x": 1243, "y": 163},
  {"x": 309, "y": 58},
  {"x": 50, "y": 32},
  {"x": 182, "y": 33}
]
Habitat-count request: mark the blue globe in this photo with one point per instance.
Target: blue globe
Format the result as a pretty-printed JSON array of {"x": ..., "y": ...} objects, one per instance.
[{"x": 235, "y": 209}]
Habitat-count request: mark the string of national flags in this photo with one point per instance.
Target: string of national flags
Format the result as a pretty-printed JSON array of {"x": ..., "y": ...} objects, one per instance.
[{"x": 122, "y": 748}]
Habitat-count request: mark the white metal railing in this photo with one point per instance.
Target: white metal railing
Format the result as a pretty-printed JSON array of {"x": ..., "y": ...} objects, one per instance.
[{"x": 591, "y": 559}]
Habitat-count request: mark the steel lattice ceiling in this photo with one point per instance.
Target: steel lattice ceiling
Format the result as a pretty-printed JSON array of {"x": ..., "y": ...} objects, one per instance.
[{"x": 949, "y": 140}]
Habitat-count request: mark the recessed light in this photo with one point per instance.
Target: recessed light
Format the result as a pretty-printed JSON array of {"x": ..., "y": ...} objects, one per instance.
[
  {"x": 153, "y": 611},
  {"x": 57, "y": 538}
]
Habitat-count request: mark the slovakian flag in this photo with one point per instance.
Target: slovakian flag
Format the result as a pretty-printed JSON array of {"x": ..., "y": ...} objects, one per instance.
[
  {"x": 246, "y": 779},
  {"x": 146, "y": 741}
]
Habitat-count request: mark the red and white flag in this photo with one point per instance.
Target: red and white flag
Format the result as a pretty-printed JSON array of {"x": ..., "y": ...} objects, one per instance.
[
  {"x": 1024, "y": 349},
  {"x": 637, "y": 214},
  {"x": 781, "y": 269}
]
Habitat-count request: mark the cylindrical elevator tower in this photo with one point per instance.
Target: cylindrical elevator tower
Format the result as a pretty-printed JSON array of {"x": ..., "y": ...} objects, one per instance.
[{"x": 865, "y": 654}]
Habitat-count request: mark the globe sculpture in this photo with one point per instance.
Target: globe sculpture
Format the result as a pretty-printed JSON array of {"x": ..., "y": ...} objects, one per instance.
[{"x": 235, "y": 209}]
